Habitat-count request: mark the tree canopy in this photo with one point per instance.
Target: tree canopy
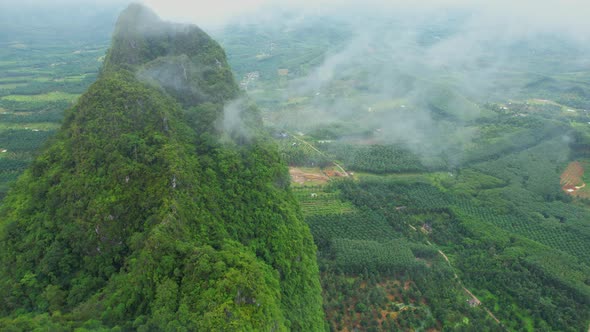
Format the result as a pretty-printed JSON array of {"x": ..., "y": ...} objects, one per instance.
[{"x": 147, "y": 212}]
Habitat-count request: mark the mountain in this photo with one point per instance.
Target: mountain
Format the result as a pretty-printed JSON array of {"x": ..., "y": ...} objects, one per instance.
[{"x": 161, "y": 204}]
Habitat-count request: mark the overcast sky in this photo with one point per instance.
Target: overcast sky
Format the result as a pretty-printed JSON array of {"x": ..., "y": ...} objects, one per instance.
[
  {"x": 563, "y": 15},
  {"x": 570, "y": 15}
]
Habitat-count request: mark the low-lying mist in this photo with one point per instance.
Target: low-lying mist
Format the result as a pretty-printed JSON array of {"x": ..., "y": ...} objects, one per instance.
[
  {"x": 420, "y": 76},
  {"x": 414, "y": 74}
]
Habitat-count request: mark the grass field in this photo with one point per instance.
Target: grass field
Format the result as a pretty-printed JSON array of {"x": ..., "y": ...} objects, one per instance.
[
  {"x": 75, "y": 78},
  {"x": 20, "y": 79},
  {"x": 47, "y": 97},
  {"x": 315, "y": 201},
  {"x": 34, "y": 126},
  {"x": 9, "y": 86}
]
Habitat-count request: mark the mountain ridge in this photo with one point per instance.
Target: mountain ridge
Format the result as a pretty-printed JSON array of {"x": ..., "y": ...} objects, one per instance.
[{"x": 145, "y": 213}]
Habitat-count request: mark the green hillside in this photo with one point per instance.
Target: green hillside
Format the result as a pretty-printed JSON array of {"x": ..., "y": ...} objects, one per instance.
[{"x": 151, "y": 211}]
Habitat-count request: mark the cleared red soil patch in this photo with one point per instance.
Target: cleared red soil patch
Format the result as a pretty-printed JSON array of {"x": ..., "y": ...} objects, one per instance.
[
  {"x": 572, "y": 178},
  {"x": 313, "y": 176},
  {"x": 573, "y": 174},
  {"x": 333, "y": 173},
  {"x": 301, "y": 177}
]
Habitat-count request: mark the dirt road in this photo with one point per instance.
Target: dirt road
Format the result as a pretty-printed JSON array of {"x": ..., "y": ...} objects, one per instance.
[
  {"x": 320, "y": 152},
  {"x": 474, "y": 299}
]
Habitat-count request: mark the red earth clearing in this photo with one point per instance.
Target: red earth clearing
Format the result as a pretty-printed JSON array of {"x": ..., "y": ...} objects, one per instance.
[
  {"x": 313, "y": 176},
  {"x": 571, "y": 179}
]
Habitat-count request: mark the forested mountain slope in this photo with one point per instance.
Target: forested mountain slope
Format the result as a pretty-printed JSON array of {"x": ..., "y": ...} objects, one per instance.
[{"x": 155, "y": 209}]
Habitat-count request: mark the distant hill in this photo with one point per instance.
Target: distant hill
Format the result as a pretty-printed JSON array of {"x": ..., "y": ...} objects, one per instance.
[{"x": 153, "y": 209}]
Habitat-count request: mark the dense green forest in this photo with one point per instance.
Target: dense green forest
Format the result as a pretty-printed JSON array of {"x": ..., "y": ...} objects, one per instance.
[
  {"x": 145, "y": 213},
  {"x": 438, "y": 198}
]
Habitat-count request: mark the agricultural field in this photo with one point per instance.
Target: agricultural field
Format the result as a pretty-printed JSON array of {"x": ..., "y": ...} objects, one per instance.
[
  {"x": 315, "y": 201},
  {"x": 36, "y": 87},
  {"x": 476, "y": 193},
  {"x": 374, "y": 303},
  {"x": 378, "y": 271},
  {"x": 40, "y": 98}
]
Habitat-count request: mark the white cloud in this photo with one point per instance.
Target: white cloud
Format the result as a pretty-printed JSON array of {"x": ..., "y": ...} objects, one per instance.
[
  {"x": 203, "y": 12},
  {"x": 531, "y": 15}
]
